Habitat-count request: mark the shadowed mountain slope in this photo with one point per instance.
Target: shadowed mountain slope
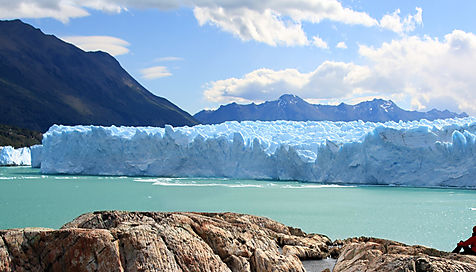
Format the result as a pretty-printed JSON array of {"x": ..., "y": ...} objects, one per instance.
[{"x": 46, "y": 81}]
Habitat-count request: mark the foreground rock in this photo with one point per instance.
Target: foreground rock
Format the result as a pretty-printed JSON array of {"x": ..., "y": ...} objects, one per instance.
[
  {"x": 149, "y": 241},
  {"x": 371, "y": 254},
  {"x": 128, "y": 241}
]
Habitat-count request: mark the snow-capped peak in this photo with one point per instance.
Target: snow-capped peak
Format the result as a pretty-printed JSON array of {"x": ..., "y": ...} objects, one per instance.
[{"x": 287, "y": 99}]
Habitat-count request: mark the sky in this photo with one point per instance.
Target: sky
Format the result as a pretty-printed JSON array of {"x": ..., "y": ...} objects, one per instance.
[{"x": 200, "y": 54}]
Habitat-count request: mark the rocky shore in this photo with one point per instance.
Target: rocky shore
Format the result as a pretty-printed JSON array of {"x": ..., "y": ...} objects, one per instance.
[{"x": 155, "y": 241}]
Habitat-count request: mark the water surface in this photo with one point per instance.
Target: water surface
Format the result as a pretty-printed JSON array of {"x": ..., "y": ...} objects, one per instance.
[{"x": 432, "y": 217}]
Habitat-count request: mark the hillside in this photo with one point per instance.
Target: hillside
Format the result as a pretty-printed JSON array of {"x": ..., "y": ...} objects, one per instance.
[
  {"x": 45, "y": 81},
  {"x": 18, "y": 137},
  {"x": 293, "y": 108}
]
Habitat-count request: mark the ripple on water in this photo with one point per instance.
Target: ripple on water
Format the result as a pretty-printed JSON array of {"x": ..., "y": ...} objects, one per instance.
[
  {"x": 18, "y": 177},
  {"x": 234, "y": 183}
]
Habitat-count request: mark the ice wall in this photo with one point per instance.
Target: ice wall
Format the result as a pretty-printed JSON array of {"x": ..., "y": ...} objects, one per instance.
[
  {"x": 36, "y": 151},
  {"x": 421, "y": 153},
  {"x": 10, "y": 156}
]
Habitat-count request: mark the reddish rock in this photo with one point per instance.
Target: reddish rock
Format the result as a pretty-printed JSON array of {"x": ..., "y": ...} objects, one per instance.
[
  {"x": 375, "y": 255},
  {"x": 146, "y": 241},
  {"x": 37, "y": 249}
]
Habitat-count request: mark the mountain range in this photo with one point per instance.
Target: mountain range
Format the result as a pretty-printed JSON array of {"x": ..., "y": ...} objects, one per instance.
[
  {"x": 291, "y": 107},
  {"x": 46, "y": 81}
]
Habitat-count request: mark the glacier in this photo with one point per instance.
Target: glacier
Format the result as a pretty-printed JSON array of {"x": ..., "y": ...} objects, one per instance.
[
  {"x": 36, "y": 155},
  {"x": 10, "y": 156},
  {"x": 414, "y": 153}
]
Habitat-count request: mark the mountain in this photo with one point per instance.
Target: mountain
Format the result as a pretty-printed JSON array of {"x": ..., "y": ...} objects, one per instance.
[
  {"x": 291, "y": 107},
  {"x": 45, "y": 81}
]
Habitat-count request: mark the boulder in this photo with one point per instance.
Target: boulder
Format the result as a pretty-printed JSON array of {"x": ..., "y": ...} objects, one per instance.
[
  {"x": 374, "y": 255},
  {"x": 154, "y": 241},
  {"x": 182, "y": 241}
]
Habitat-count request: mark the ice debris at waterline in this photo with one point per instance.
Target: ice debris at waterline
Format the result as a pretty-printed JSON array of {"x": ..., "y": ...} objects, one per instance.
[
  {"x": 421, "y": 153},
  {"x": 10, "y": 156}
]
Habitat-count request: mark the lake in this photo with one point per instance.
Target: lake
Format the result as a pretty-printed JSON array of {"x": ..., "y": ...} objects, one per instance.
[{"x": 433, "y": 217}]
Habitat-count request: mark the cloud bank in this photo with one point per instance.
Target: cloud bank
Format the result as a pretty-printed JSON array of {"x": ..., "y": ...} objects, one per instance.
[
  {"x": 425, "y": 71},
  {"x": 273, "y": 22}
]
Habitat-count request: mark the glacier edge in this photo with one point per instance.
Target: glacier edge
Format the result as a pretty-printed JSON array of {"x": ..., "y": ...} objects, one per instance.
[
  {"x": 10, "y": 156},
  {"x": 417, "y": 153}
]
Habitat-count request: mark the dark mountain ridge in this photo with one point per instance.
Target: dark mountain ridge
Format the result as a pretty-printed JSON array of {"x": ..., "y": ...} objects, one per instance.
[
  {"x": 291, "y": 107},
  {"x": 46, "y": 81}
]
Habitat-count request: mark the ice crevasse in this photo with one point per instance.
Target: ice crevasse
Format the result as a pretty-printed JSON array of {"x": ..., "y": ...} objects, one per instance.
[{"x": 417, "y": 153}]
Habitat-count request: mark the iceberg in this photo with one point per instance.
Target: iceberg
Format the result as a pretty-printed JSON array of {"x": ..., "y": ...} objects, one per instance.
[
  {"x": 10, "y": 156},
  {"x": 415, "y": 153}
]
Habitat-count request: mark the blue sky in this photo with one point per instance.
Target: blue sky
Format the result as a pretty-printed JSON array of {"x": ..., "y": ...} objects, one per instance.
[{"x": 200, "y": 54}]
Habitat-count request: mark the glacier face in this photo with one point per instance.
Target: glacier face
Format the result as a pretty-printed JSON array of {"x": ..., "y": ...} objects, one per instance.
[
  {"x": 36, "y": 155},
  {"x": 10, "y": 156},
  {"x": 421, "y": 153}
]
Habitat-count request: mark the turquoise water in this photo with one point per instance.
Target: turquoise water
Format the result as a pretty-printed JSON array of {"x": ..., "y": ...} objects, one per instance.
[{"x": 432, "y": 217}]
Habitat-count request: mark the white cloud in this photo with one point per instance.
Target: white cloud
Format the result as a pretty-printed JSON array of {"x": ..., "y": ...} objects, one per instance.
[
  {"x": 164, "y": 59},
  {"x": 329, "y": 80},
  {"x": 155, "y": 72},
  {"x": 318, "y": 42},
  {"x": 274, "y": 22},
  {"x": 102, "y": 5},
  {"x": 419, "y": 72},
  {"x": 256, "y": 86},
  {"x": 341, "y": 45},
  {"x": 111, "y": 45},
  {"x": 431, "y": 72},
  {"x": 394, "y": 22},
  {"x": 247, "y": 24},
  {"x": 59, "y": 10}
]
